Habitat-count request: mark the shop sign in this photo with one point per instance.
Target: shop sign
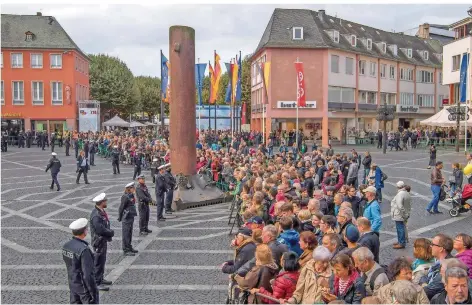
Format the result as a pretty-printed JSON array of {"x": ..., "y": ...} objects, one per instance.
[
  {"x": 11, "y": 115},
  {"x": 445, "y": 101},
  {"x": 408, "y": 109},
  {"x": 293, "y": 105}
]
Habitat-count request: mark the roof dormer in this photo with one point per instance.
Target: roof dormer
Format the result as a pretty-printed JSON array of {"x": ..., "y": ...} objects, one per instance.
[
  {"x": 439, "y": 56},
  {"x": 29, "y": 36},
  {"x": 297, "y": 33},
  {"x": 394, "y": 49},
  {"x": 408, "y": 52},
  {"x": 333, "y": 34},
  {"x": 353, "y": 40},
  {"x": 382, "y": 46}
]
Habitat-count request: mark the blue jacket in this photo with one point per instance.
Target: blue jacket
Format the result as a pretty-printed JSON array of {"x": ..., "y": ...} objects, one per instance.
[
  {"x": 372, "y": 212},
  {"x": 379, "y": 184},
  {"x": 291, "y": 238}
]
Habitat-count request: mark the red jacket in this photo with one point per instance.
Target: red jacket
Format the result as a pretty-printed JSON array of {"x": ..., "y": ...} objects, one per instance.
[{"x": 283, "y": 286}]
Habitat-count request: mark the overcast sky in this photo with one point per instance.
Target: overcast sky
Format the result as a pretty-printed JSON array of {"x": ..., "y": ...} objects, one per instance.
[{"x": 135, "y": 33}]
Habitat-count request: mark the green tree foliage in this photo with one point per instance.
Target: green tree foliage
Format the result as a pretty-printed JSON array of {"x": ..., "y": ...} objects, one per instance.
[
  {"x": 246, "y": 85},
  {"x": 112, "y": 83},
  {"x": 150, "y": 95}
]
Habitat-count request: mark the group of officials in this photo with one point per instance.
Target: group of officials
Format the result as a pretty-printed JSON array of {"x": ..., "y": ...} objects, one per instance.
[{"x": 85, "y": 267}]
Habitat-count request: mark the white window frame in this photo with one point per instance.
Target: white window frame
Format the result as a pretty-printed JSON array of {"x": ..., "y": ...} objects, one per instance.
[
  {"x": 384, "y": 47},
  {"x": 407, "y": 99},
  {"x": 350, "y": 62},
  {"x": 31, "y": 61},
  {"x": 369, "y": 44},
  {"x": 58, "y": 98},
  {"x": 21, "y": 99},
  {"x": 390, "y": 72},
  {"x": 409, "y": 53},
  {"x": 51, "y": 56},
  {"x": 336, "y": 36},
  {"x": 353, "y": 40},
  {"x": 426, "y": 55},
  {"x": 456, "y": 64},
  {"x": 2, "y": 93},
  {"x": 361, "y": 65},
  {"x": 383, "y": 70},
  {"x": 295, "y": 28},
  {"x": 29, "y": 37},
  {"x": 40, "y": 100},
  {"x": 12, "y": 55},
  {"x": 334, "y": 57},
  {"x": 388, "y": 98},
  {"x": 373, "y": 69},
  {"x": 425, "y": 99}
]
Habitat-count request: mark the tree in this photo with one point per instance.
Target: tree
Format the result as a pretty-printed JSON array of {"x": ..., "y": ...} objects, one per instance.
[
  {"x": 150, "y": 95},
  {"x": 246, "y": 85},
  {"x": 112, "y": 83}
]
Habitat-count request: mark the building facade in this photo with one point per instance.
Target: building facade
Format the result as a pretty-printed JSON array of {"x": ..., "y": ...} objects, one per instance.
[
  {"x": 453, "y": 54},
  {"x": 44, "y": 74},
  {"x": 350, "y": 69}
]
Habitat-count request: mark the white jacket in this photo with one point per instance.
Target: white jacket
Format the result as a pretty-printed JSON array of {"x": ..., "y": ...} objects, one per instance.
[{"x": 400, "y": 206}]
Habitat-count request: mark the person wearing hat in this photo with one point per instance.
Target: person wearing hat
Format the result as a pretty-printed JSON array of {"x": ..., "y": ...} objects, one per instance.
[
  {"x": 137, "y": 164},
  {"x": 400, "y": 209},
  {"x": 350, "y": 236},
  {"x": 82, "y": 167},
  {"x": 55, "y": 166},
  {"x": 101, "y": 235},
  {"x": 170, "y": 185},
  {"x": 154, "y": 166},
  {"x": 126, "y": 213},
  {"x": 115, "y": 159},
  {"x": 78, "y": 258},
  {"x": 160, "y": 190},
  {"x": 372, "y": 209},
  {"x": 144, "y": 200}
]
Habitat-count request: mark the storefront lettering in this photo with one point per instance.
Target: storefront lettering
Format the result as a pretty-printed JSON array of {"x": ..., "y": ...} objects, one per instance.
[
  {"x": 410, "y": 109},
  {"x": 11, "y": 115},
  {"x": 293, "y": 105}
]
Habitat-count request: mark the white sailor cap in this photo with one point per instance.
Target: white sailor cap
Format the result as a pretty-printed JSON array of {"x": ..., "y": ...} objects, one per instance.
[
  {"x": 154, "y": 160},
  {"x": 116, "y": 146},
  {"x": 131, "y": 184},
  {"x": 167, "y": 165},
  {"x": 141, "y": 177},
  {"x": 99, "y": 198},
  {"x": 78, "y": 224},
  {"x": 161, "y": 167},
  {"x": 53, "y": 154}
]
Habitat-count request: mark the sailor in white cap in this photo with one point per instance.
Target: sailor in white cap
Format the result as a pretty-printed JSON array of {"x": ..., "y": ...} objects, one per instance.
[
  {"x": 78, "y": 258},
  {"x": 55, "y": 166},
  {"x": 144, "y": 200},
  {"x": 115, "y": 159},
  {"x": 160, "y": 191},
  {"x": 170, "y": 185},
  {"x": 101, "y": 235},
  {"x": 154, "y": 165},
  {"x": 126, "y": 213}
]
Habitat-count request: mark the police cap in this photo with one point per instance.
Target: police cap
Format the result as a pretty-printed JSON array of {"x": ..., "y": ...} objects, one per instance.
[
  {"x": 99, "y": 198},
  {"x": 78, "y": 224}
]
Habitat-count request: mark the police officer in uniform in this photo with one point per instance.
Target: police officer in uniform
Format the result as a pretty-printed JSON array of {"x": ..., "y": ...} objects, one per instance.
[
  {"x": 115, "y": 160},
  {"x": 144, "y": 200},
  {"x": 55, "y": 166},
  {"x": 101, "y": 235},
  {"x": 67, "y": 144},
  {"x": 126, "y": 213},
  {"x": 170, "y": 185},
  {"x": 29, "y": 138},
  {"x": 78, "y": 258},
  {"x": 4, "y": 141},
  {"x": 160, "y": 192},
  {"x": 154, "y": 166},
  {"x": 137, "y": 164},
  {"x": 53, "y": 141}
]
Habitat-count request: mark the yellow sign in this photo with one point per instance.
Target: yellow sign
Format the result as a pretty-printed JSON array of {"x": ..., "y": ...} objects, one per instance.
[{"x": 11, "y": 115}]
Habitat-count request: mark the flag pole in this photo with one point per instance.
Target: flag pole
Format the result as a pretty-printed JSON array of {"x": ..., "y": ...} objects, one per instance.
[
  {"x": 231, "y": 107},
  {"x": 199, "y": 100},
  {"x": 209, "y": 103},
  {"x": 466, "y": 106},
  {"x": 296, "y": 131},
  {"x": 162, "y": 102},
  {"x": 216, "y": 93}
]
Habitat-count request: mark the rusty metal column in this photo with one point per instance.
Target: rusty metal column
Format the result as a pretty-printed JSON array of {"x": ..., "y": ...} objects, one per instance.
[{"x": 182, "y": 102}]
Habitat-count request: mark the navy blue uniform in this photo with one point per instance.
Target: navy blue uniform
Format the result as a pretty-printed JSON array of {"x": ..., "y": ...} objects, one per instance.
[
  {"x": 144, "y": 199},
  {"x": 101, "y": 235},
  {"x": 55, "y": 166},
  {"x": 126, "y": 214},
  {"x": 160, "y": 192}
]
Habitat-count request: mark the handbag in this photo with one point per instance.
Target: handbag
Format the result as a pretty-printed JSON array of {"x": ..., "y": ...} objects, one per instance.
[{"x": 452, "y": 179}]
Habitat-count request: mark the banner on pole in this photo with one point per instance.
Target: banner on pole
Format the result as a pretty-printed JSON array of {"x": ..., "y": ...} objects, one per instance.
[
  {"x": 463, "y": 79},
  {"x": 301, "y": 96},
  {"x": 199, "y": 76}
]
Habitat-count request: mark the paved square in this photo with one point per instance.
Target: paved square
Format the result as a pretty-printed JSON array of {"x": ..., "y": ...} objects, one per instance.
[{"x": 178, "y": 262}]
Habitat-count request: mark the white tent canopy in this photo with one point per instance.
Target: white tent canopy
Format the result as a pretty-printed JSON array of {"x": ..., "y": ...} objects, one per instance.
[
  {"x": 136, "y": 124},
  {"x": 117, "y": 122},
  {"x": 441, "y": 119},
  {"x": 149, "y": 124}
]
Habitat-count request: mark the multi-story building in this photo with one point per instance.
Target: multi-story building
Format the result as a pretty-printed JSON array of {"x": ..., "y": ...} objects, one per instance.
[
  {"x": 350, "y": 69},
  {"x": 438, "y": 32},
  {"x": 44, "y": 74},
  {"x": 453, "y": 53}
]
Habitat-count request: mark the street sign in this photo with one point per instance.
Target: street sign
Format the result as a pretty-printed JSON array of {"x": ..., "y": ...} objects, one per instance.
[
  {"x": 461, "y": 110},
  {"x": 453, "y": 117}
]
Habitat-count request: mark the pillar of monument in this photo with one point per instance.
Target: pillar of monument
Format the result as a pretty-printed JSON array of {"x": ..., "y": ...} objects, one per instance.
[{"x": 182, "y": 100}]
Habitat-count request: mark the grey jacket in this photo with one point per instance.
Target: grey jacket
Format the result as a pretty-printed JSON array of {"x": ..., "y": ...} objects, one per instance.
[
  {"x": 401, "y": 206},
  {"x": 353, "y": 171}
]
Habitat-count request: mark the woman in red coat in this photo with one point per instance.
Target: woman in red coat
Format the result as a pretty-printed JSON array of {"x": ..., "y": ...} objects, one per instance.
[
  {"x": 285, "y": 283},
  {"x": 215, "y": 167}
]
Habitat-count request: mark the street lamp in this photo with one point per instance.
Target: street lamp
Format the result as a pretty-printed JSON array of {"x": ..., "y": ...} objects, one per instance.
[{"x": 385, "y": 113}]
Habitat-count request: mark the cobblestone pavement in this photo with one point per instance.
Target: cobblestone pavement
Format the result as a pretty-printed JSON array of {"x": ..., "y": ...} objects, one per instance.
[{"x": 178, "y": 262}]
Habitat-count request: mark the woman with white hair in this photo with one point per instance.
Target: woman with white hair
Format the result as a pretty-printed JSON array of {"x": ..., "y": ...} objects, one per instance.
[{"x": 314, "y": 278}]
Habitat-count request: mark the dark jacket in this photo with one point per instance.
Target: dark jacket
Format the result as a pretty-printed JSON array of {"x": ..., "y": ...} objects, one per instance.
[
  {"x": 80, "y": 270},
  {"x": 127, "y": 209},
  {"x": 306, "y": 226},
  {"x": 355, "y": 203},
  {"x": 258, "y": 277},
  {"x": 54, "y": 165},
  {"x": 354, "y": 292},
  {"x": 367, "y": 162},
  {"x": 277, "y": 249},
  {"x": 371, "y": 241},
  {"x": 115, "y": 155},
  {"x": 79, "y": 164},
  {"x": 434, "y": 280},
  {"x": 160, "y": 185},
  {"x": 310, "y": 185},
  {"x": 436, "y": 176},
  {"x": 243, "y": 254},
  {"x": 100, "y": 228},
  {"x": 342, "y": 229},
  {"x": 142, "y": 194},
  {"x": 440, "y": 298},
  {"x": 170, "y": 180}
]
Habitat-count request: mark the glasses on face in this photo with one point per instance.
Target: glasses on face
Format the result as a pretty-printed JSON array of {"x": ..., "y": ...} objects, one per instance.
[{"x": 436, "y": 245}]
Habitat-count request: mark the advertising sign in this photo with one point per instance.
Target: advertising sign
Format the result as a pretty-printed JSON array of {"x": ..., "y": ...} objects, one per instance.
[{"x": 88, "y": 119}]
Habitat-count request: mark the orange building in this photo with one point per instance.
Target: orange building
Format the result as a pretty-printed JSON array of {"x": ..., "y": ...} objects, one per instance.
[{"x": 44, "y": 75}]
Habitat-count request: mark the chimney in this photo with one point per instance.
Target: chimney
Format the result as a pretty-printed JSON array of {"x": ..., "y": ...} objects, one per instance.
[
  {"x": 321, "y": 14},
  {"x": 423, "y": 31},
  {"x": 39, "y": 14}
]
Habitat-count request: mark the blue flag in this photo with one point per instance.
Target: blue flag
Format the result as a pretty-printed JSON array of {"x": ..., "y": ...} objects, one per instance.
[
  {"x": 238, "y": 85},
  {"x": 164, "y": 75},
  {"x": 228, "y": 88},
  {"x": 199, "y": 76},
  {"x": 463, "y": 83}
]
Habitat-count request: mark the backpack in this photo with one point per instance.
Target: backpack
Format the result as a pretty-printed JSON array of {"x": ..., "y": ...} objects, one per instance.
[
  {"x": 383, "y": 269},
  {"x": 442, "y": 194},
  {"x": 384, "y": 177}
]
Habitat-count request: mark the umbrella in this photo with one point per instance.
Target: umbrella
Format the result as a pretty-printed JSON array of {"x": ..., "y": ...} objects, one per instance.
[{"x": 116, "y": 121}]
